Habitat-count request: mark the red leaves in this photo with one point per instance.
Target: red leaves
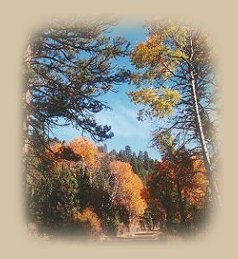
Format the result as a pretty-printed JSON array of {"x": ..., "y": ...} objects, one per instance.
[
  {"x": 163, "y": 166},
  {"x": 193, "y": 180}
]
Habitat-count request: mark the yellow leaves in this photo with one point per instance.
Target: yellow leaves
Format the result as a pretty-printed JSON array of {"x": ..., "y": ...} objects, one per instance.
[
  {"x": 148, "y": 53},
  {"x": 154, "y": 41},
  {"x": 156, "y": 53},
  {"x": 162, "y": 52},
  {"x": 171, "y": 96},
  {"x": 161, "y": 59},
  {"x": 130, "y": 187},
  {"x": 144, "y": 96},
  {"x": 90, "y": 217},
  {"x": 177, "y": 54},
  {"x": 160, "y": 102}
]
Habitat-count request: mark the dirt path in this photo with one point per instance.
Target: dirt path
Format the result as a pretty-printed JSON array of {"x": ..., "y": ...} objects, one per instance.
[{"x": 154, "y": 235}]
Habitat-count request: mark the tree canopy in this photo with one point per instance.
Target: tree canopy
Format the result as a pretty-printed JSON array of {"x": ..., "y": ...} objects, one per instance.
[
  {"x": 68, "y": 66},
  {"x": 176, "y": 80}
]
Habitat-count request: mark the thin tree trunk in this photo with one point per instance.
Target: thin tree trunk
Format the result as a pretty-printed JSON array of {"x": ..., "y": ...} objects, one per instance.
[
  {"x": 131, "y": 218},
  {"x": 26, "y": 102},
  {"x": 113, "y": 195},
  {"x": 213, "y": 186}
]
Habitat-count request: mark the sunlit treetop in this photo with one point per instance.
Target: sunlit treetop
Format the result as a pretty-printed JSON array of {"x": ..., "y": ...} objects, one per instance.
[
  {"x": 87, "y": 151},
  {"x": 163, "y": 61},
  {"x": 79, "y": 149}
]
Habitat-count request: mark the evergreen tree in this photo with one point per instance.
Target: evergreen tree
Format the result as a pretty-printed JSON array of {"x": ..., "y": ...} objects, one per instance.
[
  {"x": 128, "y": 153},
  {"x": 67, "y": 67},
  {"x": 146, "y": 160}
]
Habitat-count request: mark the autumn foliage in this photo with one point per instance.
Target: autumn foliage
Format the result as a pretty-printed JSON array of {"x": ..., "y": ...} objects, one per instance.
[
  {"x": 129, "y": 188},
  {"x": 87, "y": 151},
  {"x": 178, "y": 191},
  {"x": 82, "y": 187},
  {"x": 78, "y": 149},
  {"x": 82, "y": 184},
  {"x": 89, "y": 217},
  {"x": 86, "y": 185}
]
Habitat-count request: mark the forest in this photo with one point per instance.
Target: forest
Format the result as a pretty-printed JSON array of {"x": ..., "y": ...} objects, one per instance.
[{"x": 81, "y": 188}]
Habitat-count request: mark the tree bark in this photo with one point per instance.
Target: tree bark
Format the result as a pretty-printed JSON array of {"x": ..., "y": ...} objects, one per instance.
[
  {"x": 26, "y": 100},
  {"x": 26, "y": 103},
  {"x": 206, "y": 158}
]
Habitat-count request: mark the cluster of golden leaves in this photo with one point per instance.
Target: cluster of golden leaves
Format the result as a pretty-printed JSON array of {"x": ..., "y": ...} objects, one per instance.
[
  {"x": 158, "y": 58},
  {"x": 160, "y": 102},
  {"x": 148, "y": 53},
  {"x": 158, "y": 55}
]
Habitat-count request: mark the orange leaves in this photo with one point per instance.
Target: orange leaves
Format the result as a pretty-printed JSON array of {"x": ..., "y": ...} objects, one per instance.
[
  {"x": 192, "y": 179},
  {"x": 154, "y": 40},
  {"x": 54, "y": 151},
  {"x": 80, "y": 150},
  {"x": 198, "y": 165},
  {"x": 130, "y": 187},
  {"x": 196, "y": 192},
  {"x": 87, "y": 151},
  {"x": 119, "y": 168},
  {"x": 168, "y": 168},
  {"x": 90, "y": 217},
  {"x": 57, "y": 148}
]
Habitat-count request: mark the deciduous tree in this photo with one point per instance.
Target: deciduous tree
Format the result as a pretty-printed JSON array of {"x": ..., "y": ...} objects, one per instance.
[
  {"x": 176, "y": 79},
  {"x": 128, "y": 189}
]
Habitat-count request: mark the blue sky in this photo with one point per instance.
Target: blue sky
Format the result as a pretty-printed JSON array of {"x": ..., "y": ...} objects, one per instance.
[{"x": 122, "y": 118}]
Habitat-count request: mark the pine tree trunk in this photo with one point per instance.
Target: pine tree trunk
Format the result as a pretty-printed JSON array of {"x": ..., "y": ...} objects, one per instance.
[{"x": 206, "y": 158}]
